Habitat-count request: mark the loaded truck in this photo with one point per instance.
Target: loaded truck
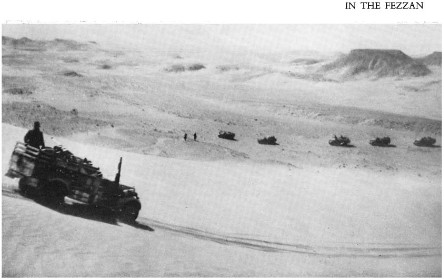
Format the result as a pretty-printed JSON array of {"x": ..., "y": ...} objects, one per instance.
[{"x": 55, "y": 173}]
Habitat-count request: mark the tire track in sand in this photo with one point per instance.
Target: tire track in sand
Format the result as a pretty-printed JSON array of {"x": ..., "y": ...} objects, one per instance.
[
  {"x": 338, "y": 250},
  {"x": 343, "y": 250}
]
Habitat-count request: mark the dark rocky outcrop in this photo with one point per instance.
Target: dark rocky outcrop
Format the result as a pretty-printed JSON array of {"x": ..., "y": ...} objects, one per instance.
[
  {"x": 27, "y": 44},
  {"x": 433, "y": 59},
  {"x": 376, "y": 63}
]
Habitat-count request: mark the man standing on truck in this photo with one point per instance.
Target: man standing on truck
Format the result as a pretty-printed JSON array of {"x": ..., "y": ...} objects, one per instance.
[{"x": 34, "y": 137}]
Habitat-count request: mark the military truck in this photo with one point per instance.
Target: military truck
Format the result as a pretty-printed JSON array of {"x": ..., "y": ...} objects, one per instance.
[
  {"x": 343, "y": 141},
  {"x": 271, "y": 140},
  {"x": 425, "y": 142},
  {"x": 226, "y": 135},
  {"x": 380, "y": 142},
  {"x": 55, "y": 173}
]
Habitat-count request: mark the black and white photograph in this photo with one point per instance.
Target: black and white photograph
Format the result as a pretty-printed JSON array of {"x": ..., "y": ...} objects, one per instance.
[{"x": 221, "y": 150}]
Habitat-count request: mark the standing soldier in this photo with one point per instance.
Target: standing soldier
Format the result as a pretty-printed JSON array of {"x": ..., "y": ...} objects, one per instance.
[
  {"x": 195, "y": 136},
  {"x": 34, "y": 137},
  {"x": 185, "y": 137}
]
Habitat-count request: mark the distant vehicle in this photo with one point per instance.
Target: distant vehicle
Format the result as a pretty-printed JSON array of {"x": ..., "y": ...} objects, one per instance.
[
  {"x": 425, "y": 142},
  {"x": 339, "y": 141},
  {"x": 226, "y": 135},
  {"x": 271, "y": 140},
  {"x": 381, "y": 142},
  {"x": 54, "y": 173}
]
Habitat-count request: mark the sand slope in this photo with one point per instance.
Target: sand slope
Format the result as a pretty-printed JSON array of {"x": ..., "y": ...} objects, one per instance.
[{"x": 303, "y": 222}]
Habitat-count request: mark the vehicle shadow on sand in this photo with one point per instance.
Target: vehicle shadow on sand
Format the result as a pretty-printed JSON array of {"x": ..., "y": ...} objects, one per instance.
[
  {"x": 344, "y": 146},
  {"x": 89, "y": 212},
  {"x": 385, "y": 146},
  {"x": 349, "y": 146},
  {"x": 431, "y": 146}
]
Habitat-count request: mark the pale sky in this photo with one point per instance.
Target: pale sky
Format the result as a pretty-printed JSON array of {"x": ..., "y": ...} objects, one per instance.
[{"x": 413, "y": 39}]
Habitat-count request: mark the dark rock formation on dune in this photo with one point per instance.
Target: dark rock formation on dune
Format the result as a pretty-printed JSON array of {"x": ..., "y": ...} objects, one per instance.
[
  {"x": 72, "y": 74},
  {"x": 24, "y": 41},
  {"x": 433, "y": 59},
  {"x": 105, "y": 66},
  {"x": 226, "y": 68},
  {"x": 376, "y": 63},
  {"x": 305, "y": 61},
  {"x": 37, "y": 45},
  {"x": 195, "y": 67},
  {"x": 18, "y": 91},
  {"x": 176, "y": 68}
]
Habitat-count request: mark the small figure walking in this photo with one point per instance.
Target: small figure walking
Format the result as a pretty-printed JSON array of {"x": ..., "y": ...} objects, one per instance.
[
  {"x": 185, "y": 137},
  {"x": 195, "y": 136}
]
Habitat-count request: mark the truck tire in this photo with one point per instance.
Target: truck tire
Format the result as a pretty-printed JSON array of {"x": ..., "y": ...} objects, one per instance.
[
  {"x": 23, "y": 186},
  {"x": 130, "y": 212},
  {"x": 54, "y": 192},
  {"x": 26, "y": 187}
]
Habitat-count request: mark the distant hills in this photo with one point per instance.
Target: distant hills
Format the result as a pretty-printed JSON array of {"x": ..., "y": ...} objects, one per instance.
[
  {"x": 36, "y": 45},
  {"x": 358, "y": 63},
  {"x": 433, "y": 59},
  {"x": 377, "y": 63}
]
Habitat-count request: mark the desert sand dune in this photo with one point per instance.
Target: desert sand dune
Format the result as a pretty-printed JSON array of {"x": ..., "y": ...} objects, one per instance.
[{"x": 83, "y": 248}]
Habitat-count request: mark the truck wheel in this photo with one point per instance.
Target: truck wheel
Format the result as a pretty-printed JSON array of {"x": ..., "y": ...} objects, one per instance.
[
  {"x": 54, "y": 192},
  {"x": 23, "y": 186},
  {"x": 130, "y": 212},
  {"x": 27, "y": 187}
]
